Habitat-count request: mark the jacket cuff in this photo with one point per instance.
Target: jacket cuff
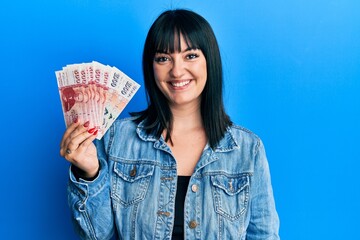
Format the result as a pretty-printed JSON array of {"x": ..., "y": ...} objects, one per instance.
[{"x": 86, "y": 188}]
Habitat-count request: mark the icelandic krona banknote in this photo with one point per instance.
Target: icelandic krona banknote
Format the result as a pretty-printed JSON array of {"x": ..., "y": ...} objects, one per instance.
[{"x": 94, "y": 92}]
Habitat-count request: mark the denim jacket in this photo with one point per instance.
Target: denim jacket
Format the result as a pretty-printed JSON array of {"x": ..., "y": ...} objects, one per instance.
[{"x": 229, "y": 194}]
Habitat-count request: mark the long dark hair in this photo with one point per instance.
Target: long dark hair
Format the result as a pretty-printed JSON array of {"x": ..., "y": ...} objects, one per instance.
[{"x": 164, "y": 34}]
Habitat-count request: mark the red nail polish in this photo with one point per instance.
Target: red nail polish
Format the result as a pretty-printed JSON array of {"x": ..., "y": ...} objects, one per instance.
[
  {"x": 95, "y": 132},
  {"x": 86, "y": 124},
  {"x": 91, "y": 130},
  {"x": 76, "y": 120}
]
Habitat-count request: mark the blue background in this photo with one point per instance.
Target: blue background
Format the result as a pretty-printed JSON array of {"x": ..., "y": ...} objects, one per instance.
[{"x": 292, "y": 76}]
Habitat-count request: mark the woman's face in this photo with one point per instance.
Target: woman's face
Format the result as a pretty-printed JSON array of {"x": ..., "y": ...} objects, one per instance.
[
  {"x": 79, "y": 97},
  {"x": 181, "y": 76}
]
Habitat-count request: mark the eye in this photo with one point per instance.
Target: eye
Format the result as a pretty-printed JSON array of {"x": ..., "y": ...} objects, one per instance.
[
  {"x": 192, "y": 56},
  {"x": 161, "y": 59}
]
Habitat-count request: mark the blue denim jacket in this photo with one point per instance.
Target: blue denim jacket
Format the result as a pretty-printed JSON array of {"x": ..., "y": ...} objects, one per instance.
[{"x": 229, "y": 194}]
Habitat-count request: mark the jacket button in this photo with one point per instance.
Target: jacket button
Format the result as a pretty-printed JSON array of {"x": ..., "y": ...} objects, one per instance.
[
  {"x": 193, "y": 224},
  {"x": 194, "y": 188},
  {"x": 133, "y": 172}
]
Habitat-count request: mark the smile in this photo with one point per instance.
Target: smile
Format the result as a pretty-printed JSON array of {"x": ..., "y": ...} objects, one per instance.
[{"x": 180, "y": 84}]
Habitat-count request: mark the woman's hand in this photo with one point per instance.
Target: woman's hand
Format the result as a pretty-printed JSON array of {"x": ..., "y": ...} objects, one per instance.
[{"x": 78, "y": 148}]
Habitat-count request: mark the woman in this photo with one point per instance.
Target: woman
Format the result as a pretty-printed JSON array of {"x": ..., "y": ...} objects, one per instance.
[{"x": 180, "y": 169}]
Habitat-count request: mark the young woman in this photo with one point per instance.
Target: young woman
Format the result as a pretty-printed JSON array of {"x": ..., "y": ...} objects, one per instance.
[{"x": 179, "y": 169}]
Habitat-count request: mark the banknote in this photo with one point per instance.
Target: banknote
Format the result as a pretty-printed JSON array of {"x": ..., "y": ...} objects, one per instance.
[{"x": 94, "y": 92}]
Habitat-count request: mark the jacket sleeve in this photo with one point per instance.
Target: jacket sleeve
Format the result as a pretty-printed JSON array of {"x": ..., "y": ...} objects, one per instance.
[
  {"x": 264, "y": 221},
  {"x": 90, "y": 202}
]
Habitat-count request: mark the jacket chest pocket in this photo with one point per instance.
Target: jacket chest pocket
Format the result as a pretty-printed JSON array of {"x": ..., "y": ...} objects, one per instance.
[
  {"x": 230, "y": 195},
  {"x": 130, "y": 182}
]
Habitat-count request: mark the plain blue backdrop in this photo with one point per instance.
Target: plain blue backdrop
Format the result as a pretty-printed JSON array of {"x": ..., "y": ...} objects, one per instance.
[{"x": 292, "y": 75}]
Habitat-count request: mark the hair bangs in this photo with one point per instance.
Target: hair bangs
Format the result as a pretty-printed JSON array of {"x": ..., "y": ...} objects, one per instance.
[{"x": 169, "y": 38}]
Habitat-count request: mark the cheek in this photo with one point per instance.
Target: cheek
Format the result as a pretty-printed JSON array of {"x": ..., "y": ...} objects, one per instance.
[
  {"x": 158, "y": 74},
  {"x": 201, "y": 67},
  {"x": 157, "y": 77},
  {"x": 160, "y": 77},
  {"x": 158, "y": 83},
  {"x": 156, "y": 68},
  {"x": 203, "y": 72}
]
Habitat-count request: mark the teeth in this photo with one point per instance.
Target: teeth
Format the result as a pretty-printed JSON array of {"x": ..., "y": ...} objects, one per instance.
[{"x": 180, "y": 84}]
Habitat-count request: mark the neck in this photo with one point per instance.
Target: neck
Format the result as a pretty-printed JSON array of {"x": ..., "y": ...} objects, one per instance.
[{"x": 186, "y": 117}]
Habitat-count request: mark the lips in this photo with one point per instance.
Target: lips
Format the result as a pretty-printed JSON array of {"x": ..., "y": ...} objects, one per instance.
[{"x": 180, "y": 83}]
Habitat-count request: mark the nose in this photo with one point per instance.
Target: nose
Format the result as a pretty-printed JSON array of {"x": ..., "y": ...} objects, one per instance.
[{"x": 178, "y": 68}]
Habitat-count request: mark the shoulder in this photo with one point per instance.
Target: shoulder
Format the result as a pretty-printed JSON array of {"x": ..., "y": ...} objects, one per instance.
[
  {"x": 242, "y": 134},
  {"x": 241, "y": 146},
  {"x": 239, "y": 139},
  {"x": 245, "y": 139}
]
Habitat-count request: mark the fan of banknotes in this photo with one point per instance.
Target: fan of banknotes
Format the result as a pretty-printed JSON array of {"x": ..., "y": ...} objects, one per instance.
[{"x": 94, "y": 92}]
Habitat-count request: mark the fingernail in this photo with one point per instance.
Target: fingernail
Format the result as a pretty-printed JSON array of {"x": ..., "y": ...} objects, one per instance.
[
  {"x": 91, "y": 130},
  {"x": 95, "y": 132},
  {"x": 86, "y": 124},
  {"x": 76, "y": 120}
]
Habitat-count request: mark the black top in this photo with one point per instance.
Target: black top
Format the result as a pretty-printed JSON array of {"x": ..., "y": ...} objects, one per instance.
[{"x": 182, "y": 185}]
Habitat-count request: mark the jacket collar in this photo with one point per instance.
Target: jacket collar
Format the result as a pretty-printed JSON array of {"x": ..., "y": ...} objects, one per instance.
[{"x": 227, "y": 143}]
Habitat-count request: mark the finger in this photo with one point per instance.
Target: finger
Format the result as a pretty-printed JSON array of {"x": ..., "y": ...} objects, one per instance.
[
  {"x": 81, "y": 143},
  {"x": 65, "y": 152},
  {"x": 69, "y": 136},
  {"x": 73, "y": 143},
  {"x": 73, "y": 130},
  {"x": 67, "y": 133},
  {"x": 80, "y": 129},
  {"x": 86, "y": 143}
]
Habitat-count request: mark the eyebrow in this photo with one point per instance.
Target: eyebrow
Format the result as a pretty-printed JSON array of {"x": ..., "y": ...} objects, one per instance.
[{"x": 185, "y": 50}]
